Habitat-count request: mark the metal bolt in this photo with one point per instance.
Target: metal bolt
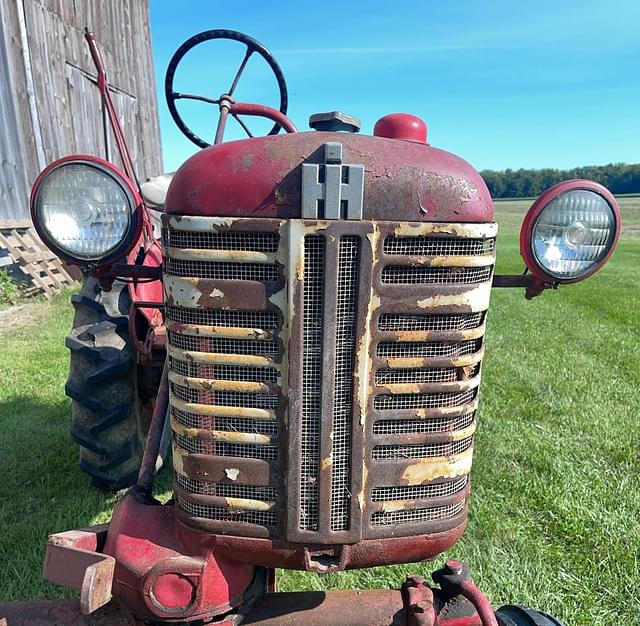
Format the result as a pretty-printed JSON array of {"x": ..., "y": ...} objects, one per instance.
[
  {"x": 415, "y": 581},
  {"x": 453, "y": 567}
]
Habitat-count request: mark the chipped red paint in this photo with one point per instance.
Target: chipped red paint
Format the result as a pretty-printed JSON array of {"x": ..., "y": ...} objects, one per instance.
[{"x": 260, "y": 177}]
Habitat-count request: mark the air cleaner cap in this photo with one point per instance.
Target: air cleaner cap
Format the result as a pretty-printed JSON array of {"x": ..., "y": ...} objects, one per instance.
[
  {"x": 403, "y": 126},
  {"x": 334, "y": 121}
]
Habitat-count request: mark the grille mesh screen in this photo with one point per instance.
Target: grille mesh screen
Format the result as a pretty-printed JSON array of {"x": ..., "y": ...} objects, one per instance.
[
  {"x": 224, "y": 372},
  {"x": 226, "y": 398},
  {"x": 217, "y": 317},
  {"x": 262, "y": 272},
  {"x": 438, "y": 246},
  {"x": 313, "y": 302},
  {"x": 418, "y": 375},
  {"x": 346, "y": 306},
  {"x": 411, "y": 275},
  {"x": 403, "y": 321},
  {"x": 195, "y": 343},
  {"x": 421, "y": 451},
  {"x": 407, "y": 516},
  {"x": 226, "y": 490},
  {"x": 416, "y": 349},
  {"x": 418, "y": 492},
  {"x": 226, "y": 424},
  {"x": 432, "y": 425},
  {"x": 263, "y": 518},
  {"x": 224, "y": 448},
  {"x": 396, "y": 402},
  {"x": 249, "y": 241}
]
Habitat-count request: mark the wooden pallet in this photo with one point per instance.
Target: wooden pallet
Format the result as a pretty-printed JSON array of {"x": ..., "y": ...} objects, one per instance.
[{"x": 44, "y": 269}]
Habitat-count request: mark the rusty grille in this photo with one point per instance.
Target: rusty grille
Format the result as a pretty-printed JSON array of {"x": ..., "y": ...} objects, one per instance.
[
  {"x": 412, "y": 275},
  {"x": 218, "y": 513},
  {"x": 226, "y": 490},
  {"x": 346, "y": 307},
  {"x": 433, "y": 425},
  {"x": 406, "y": 516},
  {"x": 327, "y": 330},
  {"x": 247, "y": 241},
  {"x": 266, "y": 320},
  {"x": 224, "y": 372},
  {"x": 404, "y": 321},
  {"x": 262, "y": 272},
  {"x": 412, "y": 349},
  {"x": 419, "y": 492},
  {"x": 224, "y": 448},
  {"x": 422, "y": 451},
  {"x": 225, "y": 424},
  {"x": 197, "y": 343},
  {"x": 313, "y": 304},
  {"x": 438, "y": 246}
]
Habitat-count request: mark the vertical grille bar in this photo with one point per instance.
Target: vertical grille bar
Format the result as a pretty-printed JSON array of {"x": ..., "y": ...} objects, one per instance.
[
  {"x": 346, "y": 307},
  {"x": 313, "y": 304}
]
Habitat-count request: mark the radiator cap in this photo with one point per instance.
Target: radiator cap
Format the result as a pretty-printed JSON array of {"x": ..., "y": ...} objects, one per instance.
[
  {"x": 333, "y": 121},
  {"x": 402, "y": 126}
]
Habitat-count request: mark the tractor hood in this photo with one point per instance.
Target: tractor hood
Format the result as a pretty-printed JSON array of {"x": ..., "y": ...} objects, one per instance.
[{"x": 261, "y": 177}]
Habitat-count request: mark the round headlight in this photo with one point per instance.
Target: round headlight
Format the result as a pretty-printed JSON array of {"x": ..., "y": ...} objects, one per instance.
[
  {"x": 85, "y": 210},
  {"x": 570, "y": 231}
]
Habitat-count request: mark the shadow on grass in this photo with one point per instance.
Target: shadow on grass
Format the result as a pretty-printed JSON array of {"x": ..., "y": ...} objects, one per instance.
[{"x": 42, "y": 491}]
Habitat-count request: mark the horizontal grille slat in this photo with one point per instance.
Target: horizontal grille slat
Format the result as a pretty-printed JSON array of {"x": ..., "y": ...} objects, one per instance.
[
  {"x": 247, "y": 241},
  {"x": 397, "y": 402},
  {"x": 262, "y": 518},
  {"x": 220, "y": 345},
  {"x": 226, "y": 424},
  {"x": 262, "y": 272},
  {"x": 421, "y": 451},
  {"x": 412, "y": 275},
  {"x": 407, "y": 516},
  {"x": 409, "y": 349},
  {"x": 224, "y": 448},
  {"x": 432, "y": 425},
  {"x": 419, "y": 492},
  {"x": 438, "y": 246},
  {"x": 406, "y": 321}
]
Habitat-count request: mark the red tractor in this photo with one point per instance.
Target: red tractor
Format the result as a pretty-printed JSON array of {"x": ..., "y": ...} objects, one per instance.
[{"x": 311, "y": 326}]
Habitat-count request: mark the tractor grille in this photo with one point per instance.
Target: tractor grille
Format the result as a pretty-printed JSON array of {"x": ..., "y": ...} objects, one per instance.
[{"x": 324, "y": 375}]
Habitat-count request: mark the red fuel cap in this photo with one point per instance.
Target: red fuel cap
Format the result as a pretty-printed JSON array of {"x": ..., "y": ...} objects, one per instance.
[{"x": 401, "y": 126}]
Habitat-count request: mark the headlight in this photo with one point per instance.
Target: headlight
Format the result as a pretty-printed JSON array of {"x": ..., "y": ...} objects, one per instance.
[
  {"x": 86, "y": 210},
  {"x": 570, "y": 231}
]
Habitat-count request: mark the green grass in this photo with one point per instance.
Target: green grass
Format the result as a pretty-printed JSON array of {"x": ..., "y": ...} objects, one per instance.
[{"x": 555, "y": 511}]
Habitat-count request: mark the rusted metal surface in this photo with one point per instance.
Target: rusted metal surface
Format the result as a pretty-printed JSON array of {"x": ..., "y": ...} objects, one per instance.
[
  {"x": 378, "y": 442},
  {"x": 380, "y": 607},
  {"x": 403, "y": 180},
  {"x": 154, "y": 435},
  {"x": 74, "y": 559}
]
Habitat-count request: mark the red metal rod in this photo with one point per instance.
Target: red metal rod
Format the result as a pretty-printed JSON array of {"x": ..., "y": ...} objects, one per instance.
[
  {"x": 259, "y": 110},
  {"x": 154, "y": 437},
  {"x": 480, "y": 602}
]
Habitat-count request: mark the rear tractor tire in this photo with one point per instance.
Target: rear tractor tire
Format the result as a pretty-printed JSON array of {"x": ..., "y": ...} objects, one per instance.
[{"x": 106, "y": 411}]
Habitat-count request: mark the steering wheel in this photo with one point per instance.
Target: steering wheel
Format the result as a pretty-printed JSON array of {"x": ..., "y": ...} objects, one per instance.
[{"x": 225, "y": 102}]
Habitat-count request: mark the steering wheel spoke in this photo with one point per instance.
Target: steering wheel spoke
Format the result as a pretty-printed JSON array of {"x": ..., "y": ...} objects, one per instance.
[
  {"x": 252, "y": 47},
  {"x": 243, "y": 124}
]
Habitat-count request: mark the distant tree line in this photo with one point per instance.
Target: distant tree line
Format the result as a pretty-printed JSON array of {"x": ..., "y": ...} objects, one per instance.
[{"x": 617, "y": 177}]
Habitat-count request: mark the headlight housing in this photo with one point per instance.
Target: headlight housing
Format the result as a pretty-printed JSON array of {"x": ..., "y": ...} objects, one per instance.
[
  {"x": 86, "y": 210},
  {"x": 570, "y": 231}
]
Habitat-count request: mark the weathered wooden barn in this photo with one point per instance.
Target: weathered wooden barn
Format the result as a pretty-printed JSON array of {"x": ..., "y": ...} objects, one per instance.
[{"x": 49, "y": 103}]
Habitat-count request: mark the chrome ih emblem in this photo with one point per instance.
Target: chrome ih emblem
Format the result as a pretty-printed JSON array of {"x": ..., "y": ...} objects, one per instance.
[{"x": 333, "y": 190}]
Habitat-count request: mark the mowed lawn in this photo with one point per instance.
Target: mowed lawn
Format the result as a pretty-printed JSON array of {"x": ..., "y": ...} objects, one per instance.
[{"x": 555, "y": 510}]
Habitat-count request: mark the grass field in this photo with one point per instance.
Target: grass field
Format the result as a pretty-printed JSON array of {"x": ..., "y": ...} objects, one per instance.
[{"x": 555, "y": 513}]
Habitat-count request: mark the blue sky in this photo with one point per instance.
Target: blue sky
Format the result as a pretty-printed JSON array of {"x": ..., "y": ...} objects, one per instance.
[{"x": 502, "y": 84}]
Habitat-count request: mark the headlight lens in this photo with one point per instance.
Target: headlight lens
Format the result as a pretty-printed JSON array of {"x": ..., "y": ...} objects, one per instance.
[
  {"x": 573, "y": 234},
  {"x": 84, "y": 210}
]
